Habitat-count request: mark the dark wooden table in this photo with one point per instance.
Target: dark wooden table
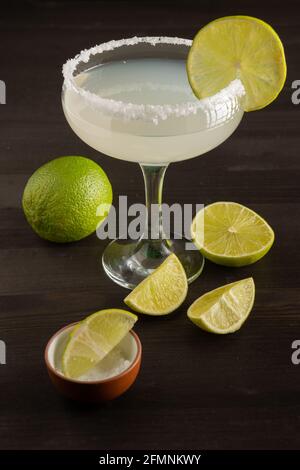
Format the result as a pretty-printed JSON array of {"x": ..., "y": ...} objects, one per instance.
[{"x": 195, "y": 390}]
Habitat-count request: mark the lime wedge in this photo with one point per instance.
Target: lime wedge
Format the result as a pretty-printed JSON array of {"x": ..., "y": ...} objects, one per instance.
[
  {"x": 93, "y": 338},
  {"x": 238, "y": 47},
  {"x": 225, "y": 309},
  {"x": 233, "y": 234},
  {"x": 163, "y": 291}
]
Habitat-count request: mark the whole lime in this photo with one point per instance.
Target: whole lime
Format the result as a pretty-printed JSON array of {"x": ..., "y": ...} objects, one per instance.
[{"x": 61, "y": 199}]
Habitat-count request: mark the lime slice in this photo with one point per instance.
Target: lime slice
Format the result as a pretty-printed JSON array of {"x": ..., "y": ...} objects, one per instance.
[
  {"x": 225, "y": 309},
  {"x": 163, "y": 291},
  {"x": 93, "y": 338},
  {"x": 233, "y": 234},
  {"x": 238, "y": 47}
]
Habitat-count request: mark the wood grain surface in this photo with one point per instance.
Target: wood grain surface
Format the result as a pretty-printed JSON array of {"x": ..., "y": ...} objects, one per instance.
[{"x": 195, "y": 390}]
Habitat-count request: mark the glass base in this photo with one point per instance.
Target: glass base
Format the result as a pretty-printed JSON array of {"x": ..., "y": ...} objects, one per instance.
[{"x": 128, "y": 262}]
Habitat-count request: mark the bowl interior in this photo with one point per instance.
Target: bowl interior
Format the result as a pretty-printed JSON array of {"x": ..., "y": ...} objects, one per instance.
[{"x": 114, "y": 364}]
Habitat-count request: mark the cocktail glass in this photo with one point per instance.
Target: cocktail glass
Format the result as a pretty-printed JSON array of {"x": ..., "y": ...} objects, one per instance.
[{"x": 130, "y": 99}]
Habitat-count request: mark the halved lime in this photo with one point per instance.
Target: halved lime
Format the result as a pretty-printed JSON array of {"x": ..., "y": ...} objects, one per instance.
[
  {"x": 234, "y": 235},
  {"x": 163, "y": 291},
  {"x": 238, "y": 47},
  {"x": 93, "y": 338},
  {"x": 225, "y": 309}
]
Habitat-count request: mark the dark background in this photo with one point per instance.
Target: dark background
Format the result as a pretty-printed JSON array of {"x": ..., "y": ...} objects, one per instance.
[{"x": 195, "y": 390}]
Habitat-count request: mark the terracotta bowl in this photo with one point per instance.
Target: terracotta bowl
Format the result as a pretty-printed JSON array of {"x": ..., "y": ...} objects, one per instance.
[{"x": 96, "y": 390}]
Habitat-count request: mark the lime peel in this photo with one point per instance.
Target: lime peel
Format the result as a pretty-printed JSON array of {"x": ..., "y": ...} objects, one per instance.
[
  {"x": 225, "y": 309},
  {"x": 93, "y": 338},
  {"x": 231, "y": 234},
  {"x": 241, "y": 47},
  {"x": 163, "y": 291}
]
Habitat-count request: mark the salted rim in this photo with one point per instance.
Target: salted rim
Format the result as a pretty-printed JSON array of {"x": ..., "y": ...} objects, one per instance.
[{"x": 133, "y": 111}]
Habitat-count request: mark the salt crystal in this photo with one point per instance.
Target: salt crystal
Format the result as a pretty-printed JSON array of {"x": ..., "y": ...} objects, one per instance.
[
  {"x": 153, "y": 113},
  {"x": 111, "y": 365}
]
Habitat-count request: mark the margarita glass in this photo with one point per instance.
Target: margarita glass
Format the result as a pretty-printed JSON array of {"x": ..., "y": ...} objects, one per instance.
[{"x": 130, "y": 99}]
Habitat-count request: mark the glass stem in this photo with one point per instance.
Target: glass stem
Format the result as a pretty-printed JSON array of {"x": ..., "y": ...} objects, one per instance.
[{"x": 154, "y": 178}]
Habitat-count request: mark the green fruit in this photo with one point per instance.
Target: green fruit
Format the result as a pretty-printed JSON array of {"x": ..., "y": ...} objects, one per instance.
[
  {"x": 61, "y": 198},
  {"x": 93, "y": 338},
  {"x": 240, "y": 47},
  {"x": 230, "y": 234},
  {"x": 163, "y": 291},
  {"x": 225, "y": 309}
]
